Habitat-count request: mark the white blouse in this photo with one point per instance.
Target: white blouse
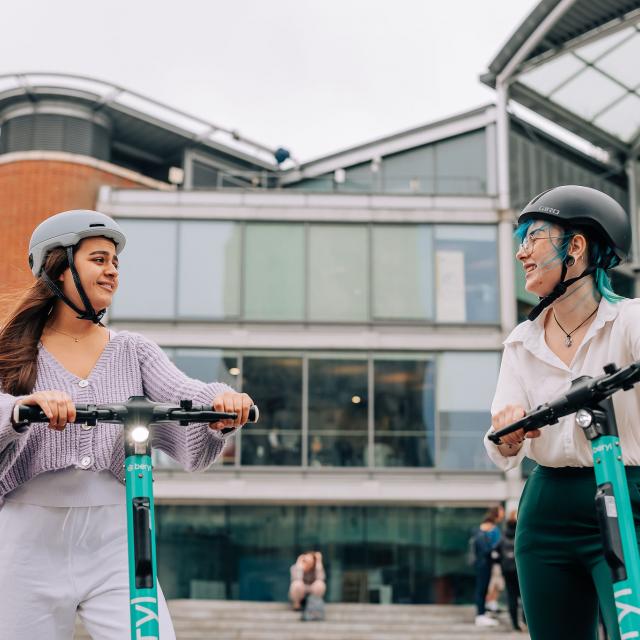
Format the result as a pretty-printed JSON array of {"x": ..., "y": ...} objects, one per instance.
[{"x": 531, "y": 374}]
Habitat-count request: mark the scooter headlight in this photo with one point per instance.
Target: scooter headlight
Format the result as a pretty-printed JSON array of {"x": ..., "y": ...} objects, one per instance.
[
  {"x": 140, "y": 434},
  {"x": 584, "y": 418}
]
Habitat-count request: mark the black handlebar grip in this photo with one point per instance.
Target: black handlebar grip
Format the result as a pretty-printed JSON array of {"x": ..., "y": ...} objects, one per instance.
[
  {"x": 254, "y": 416},
  {"x": 28, "y": 413}
]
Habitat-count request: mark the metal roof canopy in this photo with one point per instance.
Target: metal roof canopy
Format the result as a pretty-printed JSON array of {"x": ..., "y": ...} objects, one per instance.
[
  {"x": 139, "y": 120},
  {"x": 575, "y": 62}
]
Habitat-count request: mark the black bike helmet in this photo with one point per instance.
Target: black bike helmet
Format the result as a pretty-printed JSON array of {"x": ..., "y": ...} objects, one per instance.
[
  {"x": 582, "y": 208},
  {"x": 585, "y": 208}
]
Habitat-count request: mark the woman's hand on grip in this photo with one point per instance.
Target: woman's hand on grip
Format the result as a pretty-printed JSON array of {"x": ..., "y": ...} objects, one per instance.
[
  {"x": 506, "y": 416},
  {"x": 57, "y": 406},
  {"x": 231, "y": 402}
]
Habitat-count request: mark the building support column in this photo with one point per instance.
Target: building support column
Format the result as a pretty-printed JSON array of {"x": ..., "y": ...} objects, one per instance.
[
  {"x": 508, "y": 315},
  {"x": 505, "y": 230},
  {"x": 631, "y": 167}
]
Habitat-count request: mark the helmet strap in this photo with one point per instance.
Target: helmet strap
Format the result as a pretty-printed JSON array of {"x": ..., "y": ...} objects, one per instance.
[
  {"x": 559, "y": 290},
  {"x": 89, "y": 313}
]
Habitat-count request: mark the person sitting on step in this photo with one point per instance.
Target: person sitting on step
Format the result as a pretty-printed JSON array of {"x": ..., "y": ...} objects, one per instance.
[{"x": 307, "y": 578}]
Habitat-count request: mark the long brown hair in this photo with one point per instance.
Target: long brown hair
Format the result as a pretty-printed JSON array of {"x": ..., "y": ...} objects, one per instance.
[{"x": 20, "y": 334}]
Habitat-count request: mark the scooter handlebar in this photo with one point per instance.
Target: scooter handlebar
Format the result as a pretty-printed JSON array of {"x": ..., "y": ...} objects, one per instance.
[
  {"x": 584, "y": 391},
  {"x": 26, "y": 414}
]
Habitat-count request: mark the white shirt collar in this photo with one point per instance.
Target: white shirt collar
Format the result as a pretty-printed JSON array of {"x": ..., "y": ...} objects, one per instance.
[{"x": 531, "y": 333}]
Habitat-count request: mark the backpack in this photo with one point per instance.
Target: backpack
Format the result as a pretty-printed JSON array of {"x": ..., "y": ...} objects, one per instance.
[
  {"x": 313, "y": 608},
  {"x": 507, "y": 555},
  {"x": 480, "y": 547}
]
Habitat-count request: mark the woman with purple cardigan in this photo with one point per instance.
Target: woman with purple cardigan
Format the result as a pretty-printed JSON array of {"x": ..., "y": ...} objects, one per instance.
[{"x": 63, "y": 531}]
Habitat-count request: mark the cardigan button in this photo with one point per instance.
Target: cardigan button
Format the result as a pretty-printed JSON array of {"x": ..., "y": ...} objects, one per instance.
[
  {"x": 85, "y": 462},
  {"x": 83, "y": 383}
]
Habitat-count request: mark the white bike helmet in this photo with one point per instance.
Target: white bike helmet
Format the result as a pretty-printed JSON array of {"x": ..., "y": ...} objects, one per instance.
[{"x": 66, "y": 230}]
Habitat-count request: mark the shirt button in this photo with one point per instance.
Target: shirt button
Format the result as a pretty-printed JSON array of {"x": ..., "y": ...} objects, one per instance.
[
  {"x": 83, "y": 383},
  {"x": 85, "y": 462}
]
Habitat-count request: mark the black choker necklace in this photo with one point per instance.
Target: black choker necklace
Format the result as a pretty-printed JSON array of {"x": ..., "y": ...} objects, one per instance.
[{"x": 568, "y": 341}]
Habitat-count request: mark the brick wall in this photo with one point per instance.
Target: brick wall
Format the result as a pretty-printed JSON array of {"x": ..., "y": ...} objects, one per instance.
[{"x": 32, "y": 190}]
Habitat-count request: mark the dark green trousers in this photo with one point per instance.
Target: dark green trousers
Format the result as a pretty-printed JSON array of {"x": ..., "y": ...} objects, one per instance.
[{"x": 562, "y": 572}]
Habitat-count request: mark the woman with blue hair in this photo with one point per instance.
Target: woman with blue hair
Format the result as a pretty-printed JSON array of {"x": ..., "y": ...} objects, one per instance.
[{"x": 570, "y": 236}]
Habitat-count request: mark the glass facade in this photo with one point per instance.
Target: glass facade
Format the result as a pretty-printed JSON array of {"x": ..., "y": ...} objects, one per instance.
[
  {"x": 274, "y": 272},
  {"x": 187, "y": 269},
  {"x": 403, "y": 289},
  {"x": 338, "y": 273},
  {"x": 464, "y": 392},
  {"x": 147, "y": 283},
  {"x": 466, "y": 262},
  {"x": 275, "y": 383},
  {"x": 453, "y": 166},
  {"x": 338, "y": 406},
  {"x": 405, "y": 420},
  {"x": 382, "y": 554},
  {"x": 340, "y": 410},
  {"x": 307, "y": 272},
  {"x": 209, "y": 270}
]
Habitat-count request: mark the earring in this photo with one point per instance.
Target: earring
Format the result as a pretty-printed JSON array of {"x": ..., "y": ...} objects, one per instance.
[{"x": 570, "y": 261}]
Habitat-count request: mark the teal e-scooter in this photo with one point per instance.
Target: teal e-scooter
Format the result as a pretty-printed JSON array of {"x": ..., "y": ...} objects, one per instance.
[
  {"x": 590, "y": 399},
  {"x": 137, "y": 415}
]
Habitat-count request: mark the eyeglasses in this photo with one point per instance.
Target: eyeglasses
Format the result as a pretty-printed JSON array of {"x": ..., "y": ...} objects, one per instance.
[{"x": 526, "y": 245}]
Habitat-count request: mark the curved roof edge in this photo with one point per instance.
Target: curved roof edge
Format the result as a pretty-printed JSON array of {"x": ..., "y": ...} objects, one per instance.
[{"x": 106, "y": 96}]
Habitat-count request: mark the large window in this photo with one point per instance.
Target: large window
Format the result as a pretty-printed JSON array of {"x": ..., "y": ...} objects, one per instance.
[
  {"x": 403, "y": 272},
  {"x": 302, "y": 272},
  {"x": 274, "y": 272},
  {"x": 338, "y": 273},
  {"x": 352, "y": 410},
  {"x": 391, "y": 554},
  {"x": 275, "y": 383},
  {"x": 147, "y": 280},
  {"x": 338, "y": 404},
  {"x": 466, "y": 384},
  {"x": 209, "y": 270},
  {"x": 186, "y": 269},
  {"x": 462, "y": 164},
  {"x": 404, "y": 408},
  {"x": 466, "y": 274}
]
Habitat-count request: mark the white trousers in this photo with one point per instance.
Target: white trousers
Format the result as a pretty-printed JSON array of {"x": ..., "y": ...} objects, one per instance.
[{"x": 56, "y": 561}]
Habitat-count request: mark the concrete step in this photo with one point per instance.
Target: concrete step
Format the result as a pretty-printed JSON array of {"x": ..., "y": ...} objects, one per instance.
[{"x": 236, "y": 620}]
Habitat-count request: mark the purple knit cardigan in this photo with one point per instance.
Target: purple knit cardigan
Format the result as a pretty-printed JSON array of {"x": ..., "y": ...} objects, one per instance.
[{"x": 130, "y": 365}]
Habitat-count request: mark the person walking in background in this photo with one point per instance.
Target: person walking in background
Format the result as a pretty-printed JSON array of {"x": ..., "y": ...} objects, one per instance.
[
  {"x": 485, "y": 541},
  {"x": 496, "y": 585},
  {"x": 307, "y": 578},
  {"x": 506, "y": 550}
]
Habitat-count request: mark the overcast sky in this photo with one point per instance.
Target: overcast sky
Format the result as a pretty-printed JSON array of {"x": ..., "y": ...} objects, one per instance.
[{"x": 313, "y": 76}]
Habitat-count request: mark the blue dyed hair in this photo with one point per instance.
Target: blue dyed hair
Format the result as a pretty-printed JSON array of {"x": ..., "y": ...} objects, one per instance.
[{"x": 601, "y": 256}]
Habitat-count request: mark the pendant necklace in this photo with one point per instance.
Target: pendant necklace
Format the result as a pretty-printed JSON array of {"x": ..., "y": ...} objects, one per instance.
[
  {"x": 568, "y": 341},
  {"x": 67, "y": 334}
]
